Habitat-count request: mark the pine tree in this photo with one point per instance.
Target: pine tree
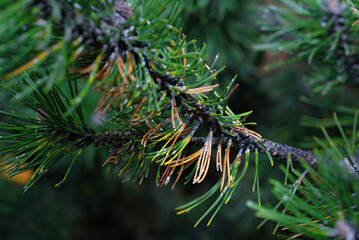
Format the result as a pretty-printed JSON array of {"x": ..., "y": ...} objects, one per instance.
[{"x": 159, "y": 108}]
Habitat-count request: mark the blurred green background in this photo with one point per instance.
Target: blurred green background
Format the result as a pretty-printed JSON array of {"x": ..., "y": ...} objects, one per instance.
[{"x": 93, "y": 204}]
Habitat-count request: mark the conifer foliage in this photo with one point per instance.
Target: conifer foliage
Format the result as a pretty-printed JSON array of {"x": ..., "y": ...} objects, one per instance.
[
  {"x": 319, "y": 202},
  {"x": 318, "y": 32},
  {"x": 158, "y": 93}
]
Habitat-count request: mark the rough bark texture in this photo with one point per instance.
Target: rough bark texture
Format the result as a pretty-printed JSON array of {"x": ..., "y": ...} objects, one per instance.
[{"x": 278, "y": 150}]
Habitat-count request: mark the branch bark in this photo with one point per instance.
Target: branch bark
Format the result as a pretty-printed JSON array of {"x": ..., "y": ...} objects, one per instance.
[
  {"x": 281, "y": 151},
  {"x": 278, "y": 150}
]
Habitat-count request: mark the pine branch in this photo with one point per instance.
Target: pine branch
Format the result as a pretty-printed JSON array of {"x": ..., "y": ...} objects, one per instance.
[
  {"x": 317, "y": 32},
  {"x": 321, "y": 202},
  {"x": 281, "y": 151},
  {"x": 158, "y": 92}
]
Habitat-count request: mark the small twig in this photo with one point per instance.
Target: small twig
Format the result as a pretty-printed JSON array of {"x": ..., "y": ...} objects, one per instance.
[
  {"x": 281, "y": 151},
  {"x": 278, "y": 150}
]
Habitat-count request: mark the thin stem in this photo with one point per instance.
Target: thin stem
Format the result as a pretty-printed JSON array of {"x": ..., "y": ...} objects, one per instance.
[{"x": 277, "y": 150}]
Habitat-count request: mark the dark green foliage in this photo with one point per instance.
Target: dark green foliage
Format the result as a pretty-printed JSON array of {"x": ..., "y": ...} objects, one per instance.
[
  {"x": 122, "y": 76},
  {"x": 318, "y": 32},
  {"x": 38, "y": 141},
  {"x": 157, "y": 92},
  {"x": 321, "y": 203}
]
